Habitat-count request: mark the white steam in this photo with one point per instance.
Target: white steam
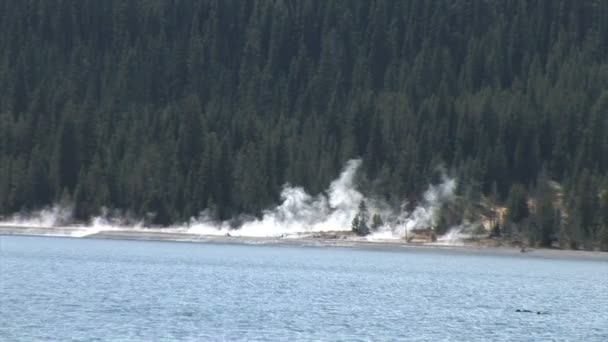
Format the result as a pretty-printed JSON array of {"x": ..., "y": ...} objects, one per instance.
[
  {"x": 424, "y": 216},
  {"x": 457, "y": 235},
  {"x": 48, "y": 217},
  {"x": 298, "y": 214}
]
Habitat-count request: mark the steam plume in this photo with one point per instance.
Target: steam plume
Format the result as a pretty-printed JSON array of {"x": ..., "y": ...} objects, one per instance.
[
  {"x": 298, "y": 214},
  {"x": 57, "y": 215}
]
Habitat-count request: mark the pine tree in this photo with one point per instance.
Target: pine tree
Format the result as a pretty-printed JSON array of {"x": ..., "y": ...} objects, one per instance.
[
  {"x": 174, "y": 108},
  {"x": 377, "y": 222},
  {"x": 359, "y": 224}
]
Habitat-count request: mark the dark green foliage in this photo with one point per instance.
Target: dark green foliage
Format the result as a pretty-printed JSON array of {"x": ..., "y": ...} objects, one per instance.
[
  {"x": 603, "y": 233},
  {"x": 442, "y": 226},
  {"x": 172, "y": 107},
  {"x": 546, "y": 215},
  {"x": 517, "y": 204},
  {"x": 355, "y": 225},
  {"x": 584, "y": 219},
  {"x": 360, "y": 222},
  {"x": 376, "y": 222}
]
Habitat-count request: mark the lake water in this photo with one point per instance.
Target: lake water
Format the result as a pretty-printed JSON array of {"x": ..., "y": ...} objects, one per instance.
[{"x": 85, "y": 290}]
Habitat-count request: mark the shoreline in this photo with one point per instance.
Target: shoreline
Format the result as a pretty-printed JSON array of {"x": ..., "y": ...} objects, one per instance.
[{"x": 379, "y": 245}]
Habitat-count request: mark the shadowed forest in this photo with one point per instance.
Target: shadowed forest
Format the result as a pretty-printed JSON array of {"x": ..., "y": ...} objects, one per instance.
[{"x": 172, "y": 107}]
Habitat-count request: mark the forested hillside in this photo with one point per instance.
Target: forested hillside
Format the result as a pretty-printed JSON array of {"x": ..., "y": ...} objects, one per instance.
[{"x": 176, "y": 106}]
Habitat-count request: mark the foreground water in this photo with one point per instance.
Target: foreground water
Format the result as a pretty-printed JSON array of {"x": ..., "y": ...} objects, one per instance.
[{"x": 79, "y": 289}]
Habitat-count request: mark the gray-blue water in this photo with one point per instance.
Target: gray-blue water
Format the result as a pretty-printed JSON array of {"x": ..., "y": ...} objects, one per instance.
[{"x": 82, "y": 290}]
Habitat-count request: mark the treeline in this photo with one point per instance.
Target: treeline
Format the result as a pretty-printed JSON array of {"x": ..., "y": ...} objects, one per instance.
[{"x": 170, "y": 107}]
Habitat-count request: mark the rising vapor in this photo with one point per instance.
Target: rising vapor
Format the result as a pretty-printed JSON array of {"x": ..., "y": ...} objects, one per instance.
[
  {"x": 54, "y": 216},
  {"x": 298, "y": 214}
]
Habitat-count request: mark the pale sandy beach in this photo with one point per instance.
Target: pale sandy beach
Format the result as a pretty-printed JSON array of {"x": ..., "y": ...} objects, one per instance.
[{"x": 307, "y": 241}]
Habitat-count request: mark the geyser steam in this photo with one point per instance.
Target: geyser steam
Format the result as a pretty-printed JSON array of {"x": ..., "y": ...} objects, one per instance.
[
  {"x": 298, "y": 214},
  {"x": 57, "y": 215}
]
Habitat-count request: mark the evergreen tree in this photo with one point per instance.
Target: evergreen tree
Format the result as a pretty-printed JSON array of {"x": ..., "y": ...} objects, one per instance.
[
  {"x": 164, "y": 111},
  {"x": 376, "y": 222},
  {"x": 517, "y": 204},
  {"x": 360, "y": 222}
]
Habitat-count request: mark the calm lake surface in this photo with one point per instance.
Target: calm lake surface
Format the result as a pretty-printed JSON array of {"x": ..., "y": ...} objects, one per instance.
[{"x": 61, "y": 289}]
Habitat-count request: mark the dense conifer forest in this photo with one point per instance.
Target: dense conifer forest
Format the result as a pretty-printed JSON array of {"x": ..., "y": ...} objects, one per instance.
[{"x": 175, "y": 106}]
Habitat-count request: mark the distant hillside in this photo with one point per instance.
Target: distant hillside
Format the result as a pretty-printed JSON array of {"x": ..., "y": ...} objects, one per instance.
[{"x": 172, "y": 107}]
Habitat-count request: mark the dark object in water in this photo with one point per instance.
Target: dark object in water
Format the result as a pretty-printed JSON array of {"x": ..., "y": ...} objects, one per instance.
[{"x": 530, "y": 311}]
